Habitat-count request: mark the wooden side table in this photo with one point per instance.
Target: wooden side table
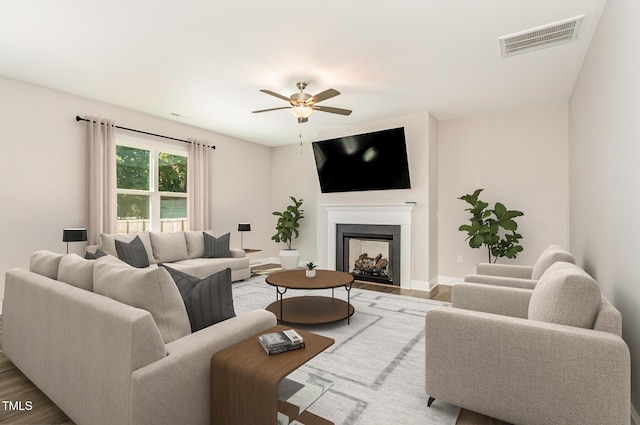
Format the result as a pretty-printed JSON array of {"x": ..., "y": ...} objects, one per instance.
[{"x": 244, "y": 381}]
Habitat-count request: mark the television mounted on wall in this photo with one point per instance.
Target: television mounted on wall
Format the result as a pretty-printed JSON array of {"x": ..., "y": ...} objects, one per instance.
[{"x": 370, "y": 161}]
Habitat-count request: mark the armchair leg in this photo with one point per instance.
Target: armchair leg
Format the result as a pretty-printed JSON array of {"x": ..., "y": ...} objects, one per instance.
[{"x": 430, "y": 401}]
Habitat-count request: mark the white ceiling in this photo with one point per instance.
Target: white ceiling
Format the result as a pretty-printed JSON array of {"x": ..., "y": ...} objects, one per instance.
[{"x": 206, "y": 60}]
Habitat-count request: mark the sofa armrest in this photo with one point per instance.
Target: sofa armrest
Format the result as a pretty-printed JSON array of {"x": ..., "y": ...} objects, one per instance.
[
  {"x": 505, "y": 270},
  {"x": 491, "y": 299},
  {"x": 524, "y": 371},
  {"x": 237, "y": 253},
  {"x": 511, "y": 282},
  {"x": 181, "y": 382}
]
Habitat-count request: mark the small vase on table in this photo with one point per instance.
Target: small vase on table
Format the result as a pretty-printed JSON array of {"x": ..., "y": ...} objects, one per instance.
[{"x": 310, "y": 269}]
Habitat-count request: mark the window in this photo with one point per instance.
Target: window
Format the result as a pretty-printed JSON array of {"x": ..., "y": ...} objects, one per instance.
[{"x": 152, "y": 188}]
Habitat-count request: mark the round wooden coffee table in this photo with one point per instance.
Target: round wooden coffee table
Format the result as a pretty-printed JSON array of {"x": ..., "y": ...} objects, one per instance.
[{"x": 310, "y": 310}]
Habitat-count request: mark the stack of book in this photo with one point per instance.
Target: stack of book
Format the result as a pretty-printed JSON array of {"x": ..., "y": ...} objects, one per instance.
[{"x": 279, "y": 342}]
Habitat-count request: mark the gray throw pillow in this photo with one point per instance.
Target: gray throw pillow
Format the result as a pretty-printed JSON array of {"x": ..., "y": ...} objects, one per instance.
[
  {"x": 133, "y": 253},
  {"x": 217, "y": 247},
  {"x": 209, "y": 300},
  {"x": 94, "y": 255}
]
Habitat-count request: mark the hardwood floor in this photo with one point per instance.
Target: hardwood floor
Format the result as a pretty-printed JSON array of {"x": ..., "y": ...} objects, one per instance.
[
  {"x": 467, "y": 417},
  {"x": 439, "y": 293},
  {"x": 15, "y": 386}
]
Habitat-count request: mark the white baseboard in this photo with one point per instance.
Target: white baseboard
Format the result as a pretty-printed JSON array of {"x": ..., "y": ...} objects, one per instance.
[
  {"x": 635, "y": 419},
  {"x": 421, "y": 285},
  {"x": 449, "y": 280}
]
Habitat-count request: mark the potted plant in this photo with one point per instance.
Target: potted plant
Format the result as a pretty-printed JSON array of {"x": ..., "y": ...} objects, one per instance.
[
  {"x": 310, "y": 269},
  {"x": 287, "y": 230},
  {"x": 486, "y": 225}
]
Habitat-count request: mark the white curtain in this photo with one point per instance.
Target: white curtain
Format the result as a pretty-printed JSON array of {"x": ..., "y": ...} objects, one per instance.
[
  {"x": 101, "y": 178},
  {"x": 198, "y": 186}
]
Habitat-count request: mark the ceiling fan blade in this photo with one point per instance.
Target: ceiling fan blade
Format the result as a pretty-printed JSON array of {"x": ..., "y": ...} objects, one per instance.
[
  {"x": 279, "y": 96},
  {"x": 327, "y": 94},
  {"x": 271, "y": 109},
  {"x": 332, "y": 110}
]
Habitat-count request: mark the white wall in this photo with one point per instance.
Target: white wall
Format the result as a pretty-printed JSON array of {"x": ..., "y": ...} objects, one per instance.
[
  {"x": 43, "y": 168},
  {"x": 520, "y": 158},
  {"x": 434, "y": 167},
  {"x": 604, "y": 153},
  {"x": 293, "y": 171}
]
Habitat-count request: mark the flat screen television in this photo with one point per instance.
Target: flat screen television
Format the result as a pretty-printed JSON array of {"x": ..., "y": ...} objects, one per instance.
[{"x": 371, "y": 161}]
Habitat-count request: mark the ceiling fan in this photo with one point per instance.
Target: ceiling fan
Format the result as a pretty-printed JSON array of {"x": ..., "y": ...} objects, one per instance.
[{"x": 303, "y": 104}]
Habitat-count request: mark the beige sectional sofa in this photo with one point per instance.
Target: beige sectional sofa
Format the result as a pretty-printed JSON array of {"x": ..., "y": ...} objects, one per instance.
[
  {"x": 184, "y": 251},
  {"x": 111, "y": 344}
]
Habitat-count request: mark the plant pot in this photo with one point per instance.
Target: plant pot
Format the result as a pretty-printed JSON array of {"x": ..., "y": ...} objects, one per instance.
[
  {"x": 311, "y": 273},
  {"x": 289, "y": 259}
]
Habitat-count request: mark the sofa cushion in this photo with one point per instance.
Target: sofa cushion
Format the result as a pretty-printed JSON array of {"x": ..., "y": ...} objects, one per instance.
[
  {"x": 150, "y": 289},
  {"x": 566, "y": 295},
  {"x": 217, "y": 247},
  {"x": 195, "y": 242},
  {"x": 132, "y": 253},
  {"x": 168, "y": 247},
  {"x": 45, "y": 263},
  {"x": 109, "y": 243},
  {"x": 552, "y": 254},
  {"x": 203, "y": 267},
  {"x": 209, "y": 300},
  {"x": 76, "y": 271}
]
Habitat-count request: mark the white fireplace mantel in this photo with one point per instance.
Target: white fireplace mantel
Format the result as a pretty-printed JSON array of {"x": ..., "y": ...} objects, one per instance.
[{"x": 391, "y": 214}]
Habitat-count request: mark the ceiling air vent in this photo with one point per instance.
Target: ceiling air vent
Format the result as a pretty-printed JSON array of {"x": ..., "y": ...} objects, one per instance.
[{"x": 541, "y": 37}]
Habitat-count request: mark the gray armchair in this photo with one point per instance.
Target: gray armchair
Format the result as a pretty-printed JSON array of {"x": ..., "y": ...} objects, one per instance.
[
  {"x": 548, "y": 356},
  {"x": 519, "y": 276}
]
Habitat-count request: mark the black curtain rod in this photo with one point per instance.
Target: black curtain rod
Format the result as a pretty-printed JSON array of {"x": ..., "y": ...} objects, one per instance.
[{"x": 79, "y": 118}]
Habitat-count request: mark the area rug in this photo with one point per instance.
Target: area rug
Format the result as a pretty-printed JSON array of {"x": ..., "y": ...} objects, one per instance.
[{"x": 376, "y": 363}]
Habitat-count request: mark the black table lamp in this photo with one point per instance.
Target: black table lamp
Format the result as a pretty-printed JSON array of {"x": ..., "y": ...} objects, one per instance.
[
  {"x": 74, "y": 235},
  {"x": 243, "y": 227}
]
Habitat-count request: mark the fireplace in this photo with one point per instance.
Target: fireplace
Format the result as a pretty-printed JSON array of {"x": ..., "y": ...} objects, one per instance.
[
  {"x": 369, "y": 252},
  {"x": 371, "y": 214}
]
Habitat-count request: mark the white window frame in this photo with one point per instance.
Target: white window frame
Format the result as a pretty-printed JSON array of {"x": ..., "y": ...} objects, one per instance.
[{"x": 155, "y": 148}]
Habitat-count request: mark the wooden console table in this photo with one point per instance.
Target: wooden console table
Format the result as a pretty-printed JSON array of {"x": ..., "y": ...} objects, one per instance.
[{"x": 244, "y": 381}]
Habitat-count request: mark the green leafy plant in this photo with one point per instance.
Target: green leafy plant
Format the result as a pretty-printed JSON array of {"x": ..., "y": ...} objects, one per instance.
[
  {"x": 495, "y": 228},
  {"x": 310, "y": 265},
  {"x": 288, "y": 222}
]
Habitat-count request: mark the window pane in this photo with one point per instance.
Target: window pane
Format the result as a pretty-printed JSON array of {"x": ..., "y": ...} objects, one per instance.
[
  {"x": 173, "y": 214},
  {"x": 172, "y": 173},
  {"x": 133, "y": 213},
  {"x": 132, "y": 168}
]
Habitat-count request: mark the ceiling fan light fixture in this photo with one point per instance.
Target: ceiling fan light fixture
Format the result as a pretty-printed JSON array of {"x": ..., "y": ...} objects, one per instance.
[
  {"x": 301, "y": 111},
  {"x": 303, "y": 104}
]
